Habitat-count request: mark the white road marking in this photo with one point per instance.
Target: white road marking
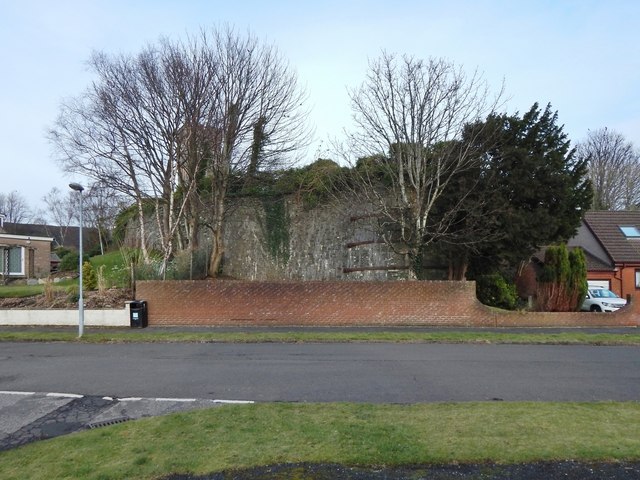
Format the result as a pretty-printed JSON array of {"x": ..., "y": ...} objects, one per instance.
[
  {"x": 175, "y": 399},
  {"x": 64, "y": 395},
  {"x": 128, "y": 399},
  {"x": 240, "y": 402}
]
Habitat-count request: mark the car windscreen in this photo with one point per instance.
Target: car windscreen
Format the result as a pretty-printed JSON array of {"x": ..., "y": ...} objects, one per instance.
[{"x": 602, "y": 293}]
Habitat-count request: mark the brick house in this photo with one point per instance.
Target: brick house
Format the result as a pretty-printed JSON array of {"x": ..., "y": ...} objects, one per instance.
[
  {"x": 611, "y": 242},
  {"x": 24, "y": 256}
]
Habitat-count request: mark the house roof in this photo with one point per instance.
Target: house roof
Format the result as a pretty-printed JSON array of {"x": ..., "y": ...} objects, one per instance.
[
  {"x": 605, "y": 225},
  {"x": 7, "y": 236},
  {"x": 594, "y": 264},
  {"x": 62, "y": 236}
]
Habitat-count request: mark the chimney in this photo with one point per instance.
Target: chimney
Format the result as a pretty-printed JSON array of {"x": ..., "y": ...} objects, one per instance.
[{"x": 2, "y": 217}]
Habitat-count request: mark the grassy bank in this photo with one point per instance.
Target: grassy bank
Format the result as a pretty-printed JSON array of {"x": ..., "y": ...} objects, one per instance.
[
  {"x": 151, "y": 336},
  {"x": 350, "y": 434},
  {"x": 22, "y": 291}
]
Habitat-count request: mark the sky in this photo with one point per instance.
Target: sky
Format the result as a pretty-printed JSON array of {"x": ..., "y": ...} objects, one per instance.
[{"x": 581, "y": 56}]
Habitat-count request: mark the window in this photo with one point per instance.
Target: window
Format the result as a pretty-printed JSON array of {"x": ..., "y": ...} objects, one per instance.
[
  {"x": 12, "y": 260},
  {"x": 630, "y": 231},
  {"x": 637, "y": 278}
]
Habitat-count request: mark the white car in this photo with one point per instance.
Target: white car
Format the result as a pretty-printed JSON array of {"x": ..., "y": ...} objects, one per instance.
[{"x": 602, "y": 300}]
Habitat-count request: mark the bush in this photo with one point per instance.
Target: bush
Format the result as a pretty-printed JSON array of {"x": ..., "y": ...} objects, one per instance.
[
  {"x": 101, "y": 280},
  {"x": 69, "y": 262},
  {"x": 62, "y": 252},
  {"x": 95, "y": 250},
  {"x": 89, "y": 280},
  {"x": 48, "y": 290},
  {"x": 186, "y": 266},
  {"x": 562, "y": 284},
  {"x": 495, "y": 291},
  {"x": 73, "y": 293}
]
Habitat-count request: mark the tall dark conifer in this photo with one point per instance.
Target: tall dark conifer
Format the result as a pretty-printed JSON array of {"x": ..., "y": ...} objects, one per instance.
[{"x": 532, "y": 191}]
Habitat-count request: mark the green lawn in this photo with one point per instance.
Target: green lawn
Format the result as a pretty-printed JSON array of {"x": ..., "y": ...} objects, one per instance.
[
  {"x": 115, "y": 271},
  {"x": 21, "y": 291},
  {"x": 242, "y": 436}
]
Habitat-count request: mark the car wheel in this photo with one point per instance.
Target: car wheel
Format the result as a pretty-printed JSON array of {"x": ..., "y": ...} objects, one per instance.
[{"x": 595, "y": 308}]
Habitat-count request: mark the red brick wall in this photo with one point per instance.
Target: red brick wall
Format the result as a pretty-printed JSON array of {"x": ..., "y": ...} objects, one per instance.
[
  {"x": 628, "y": 275},
  {"x": 225, "y": 302}
]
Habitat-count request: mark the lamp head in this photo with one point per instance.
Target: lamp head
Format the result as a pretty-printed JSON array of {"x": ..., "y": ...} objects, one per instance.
[{"x": 76, "y": 186}]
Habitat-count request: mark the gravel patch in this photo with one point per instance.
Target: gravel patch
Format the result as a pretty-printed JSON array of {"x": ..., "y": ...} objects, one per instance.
[{"x": 565, "y": 470}]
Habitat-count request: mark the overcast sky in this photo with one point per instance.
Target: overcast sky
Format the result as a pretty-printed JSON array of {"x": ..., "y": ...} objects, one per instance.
[{"x": 582, "y": 56}]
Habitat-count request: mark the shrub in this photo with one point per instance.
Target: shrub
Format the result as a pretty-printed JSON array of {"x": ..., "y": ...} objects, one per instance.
[
  {"x": 101, "y": 279},
  {"x": 89, "y": 280},
  {"x": 73, "y": 293},
  {"x": 578, "y": 280},
  {"x": 48, "y": 290},
  {"x": 69, "y": 262},
  {"x": 187, "y": 265},
  {"x": 62, "y": 252},
  {"x": 563, "y": 282},
  {"x": 95, "y": 250},
  {"x": 495, "y": 291}
]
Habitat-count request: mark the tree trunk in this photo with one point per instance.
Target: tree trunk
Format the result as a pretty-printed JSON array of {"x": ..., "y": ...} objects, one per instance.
[
  {"x": 143, "y": 233},
  {"x": 217, "y": 252},
  {"x": 458, "y": 269}
]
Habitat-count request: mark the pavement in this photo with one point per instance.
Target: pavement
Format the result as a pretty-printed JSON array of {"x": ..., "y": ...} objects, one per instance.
[
  {"x": 279, "y": 329},
  {"x": 30, "y": 416}
]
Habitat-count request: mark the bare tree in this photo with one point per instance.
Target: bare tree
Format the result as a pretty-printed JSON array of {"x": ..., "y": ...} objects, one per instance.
[
  {"x": 410, "y": 115},
  {"x": 614, "y": 170},
  {"x": 101, "y": 206},
  {"x": 14, "y": 207},
  {"x": 122, "y": 132},
  {"x": 62, "y": 210},
  {"x": 173, "y": 124}
]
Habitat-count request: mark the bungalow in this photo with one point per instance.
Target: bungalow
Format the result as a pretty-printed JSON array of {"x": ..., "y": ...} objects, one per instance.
[
  {"x": 62, "y": 236},
  {"x": 23, "y": 256},
  {"x": 611, "y": 242}
]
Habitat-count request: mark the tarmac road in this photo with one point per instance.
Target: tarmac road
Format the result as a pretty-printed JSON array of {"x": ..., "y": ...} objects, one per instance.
[
  {"x": 113, "y": 383},
  {"x": 397, "y": 373}
]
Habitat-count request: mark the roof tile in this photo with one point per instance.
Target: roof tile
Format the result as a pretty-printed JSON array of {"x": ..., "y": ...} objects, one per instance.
[{"x": 605, "y": 225}]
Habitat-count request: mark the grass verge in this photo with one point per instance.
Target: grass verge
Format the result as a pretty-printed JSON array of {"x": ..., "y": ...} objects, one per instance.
[
  {"x": 149, "y": 336},
  {"x": 20, "y": 291},
  {"x": 243, "y": 436}
]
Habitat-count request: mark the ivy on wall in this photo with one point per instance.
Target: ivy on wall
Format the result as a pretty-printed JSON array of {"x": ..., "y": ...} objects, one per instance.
[{"x": 277, "y": 223}]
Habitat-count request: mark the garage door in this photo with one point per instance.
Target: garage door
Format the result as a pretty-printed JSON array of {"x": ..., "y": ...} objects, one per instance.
[{"x": 599, "y": 283}]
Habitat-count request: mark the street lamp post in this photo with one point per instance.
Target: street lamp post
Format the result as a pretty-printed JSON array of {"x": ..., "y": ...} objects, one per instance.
[{"x": 79, "y": 188}]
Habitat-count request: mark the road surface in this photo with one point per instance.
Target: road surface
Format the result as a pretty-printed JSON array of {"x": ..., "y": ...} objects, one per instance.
[{"x": 398, "y": 373}]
